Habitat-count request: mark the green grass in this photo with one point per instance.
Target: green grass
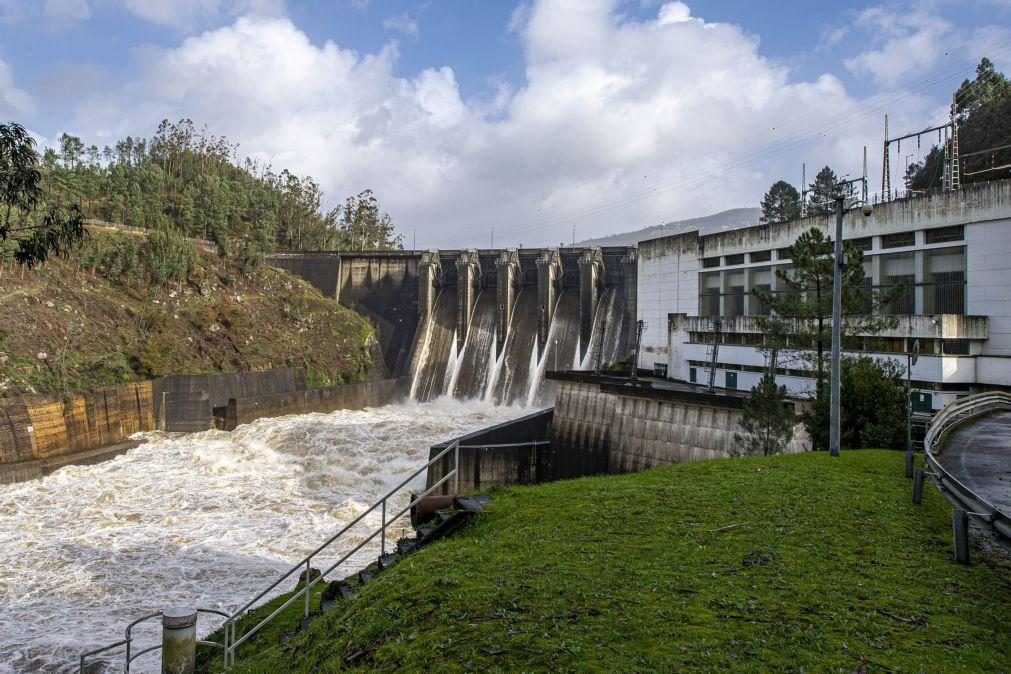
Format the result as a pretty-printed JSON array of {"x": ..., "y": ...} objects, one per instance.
[{"x": 790, "y": 563}]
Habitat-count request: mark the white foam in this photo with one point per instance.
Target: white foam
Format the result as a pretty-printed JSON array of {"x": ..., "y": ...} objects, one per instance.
[{"x": 207, "y": 519}]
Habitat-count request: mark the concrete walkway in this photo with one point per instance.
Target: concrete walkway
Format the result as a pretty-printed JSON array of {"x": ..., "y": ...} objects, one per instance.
[{"x": 978, "y": 455}]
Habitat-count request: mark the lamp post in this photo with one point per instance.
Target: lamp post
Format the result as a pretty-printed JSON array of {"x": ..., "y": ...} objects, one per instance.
[
  {"x": 911, "y": 359},
  {"x": 835, "y": 388}
]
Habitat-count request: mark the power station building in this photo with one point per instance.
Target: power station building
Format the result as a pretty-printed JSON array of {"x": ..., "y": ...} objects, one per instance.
[{"x": 950, "y": 252}]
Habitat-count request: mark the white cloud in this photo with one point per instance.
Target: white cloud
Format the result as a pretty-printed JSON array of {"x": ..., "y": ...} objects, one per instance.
[
  {"x": 902, "y": 40},
  {"x": 402, "y": 23},
  {"x": 14, "y": 102},
  {"x": 613, "y": 128},
  {"x": 67, "y": 10},
  {"x": 189, "y": 14}
]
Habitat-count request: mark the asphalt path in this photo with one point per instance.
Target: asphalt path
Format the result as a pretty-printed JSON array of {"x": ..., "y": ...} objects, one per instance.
[{"x": 978, "y": 455}]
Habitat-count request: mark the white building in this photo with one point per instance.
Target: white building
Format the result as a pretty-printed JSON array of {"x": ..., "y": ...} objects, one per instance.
[{"x": 951, "y": 252}]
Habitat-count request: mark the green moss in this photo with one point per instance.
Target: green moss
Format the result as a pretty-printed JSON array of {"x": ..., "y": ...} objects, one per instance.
[{"x": 789, "y": 563}]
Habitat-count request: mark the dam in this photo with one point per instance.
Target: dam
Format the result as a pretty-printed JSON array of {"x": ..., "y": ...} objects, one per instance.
[{"x": 484, "y": 324}]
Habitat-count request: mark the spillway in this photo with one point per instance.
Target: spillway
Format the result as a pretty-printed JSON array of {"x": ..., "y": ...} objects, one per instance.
[
  {"x": 478, "y": 356},
  {"x": 438, "y": 350},
  {"x": 207, "y": 519},
  {"x": 512, "y": 382},
  {"x": 561, "y": 351},
  {"x": 608, "y": 322}
]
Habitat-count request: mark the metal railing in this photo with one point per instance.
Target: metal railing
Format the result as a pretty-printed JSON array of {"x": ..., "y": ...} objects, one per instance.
[
  {"x": 229, "y": 628},
  {"x": 130, "y": 656},
  {"x": 944, "y": 422}
]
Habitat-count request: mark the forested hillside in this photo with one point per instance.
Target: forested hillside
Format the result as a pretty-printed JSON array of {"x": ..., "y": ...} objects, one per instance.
[
  {"x": 192, "y": 182},
  {"x": 126, "y": 307}
]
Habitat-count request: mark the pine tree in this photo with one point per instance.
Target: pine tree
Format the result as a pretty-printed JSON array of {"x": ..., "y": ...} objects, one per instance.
[
  {"x": 781, "y": 203},
  {"x": 767, "y": 422}
]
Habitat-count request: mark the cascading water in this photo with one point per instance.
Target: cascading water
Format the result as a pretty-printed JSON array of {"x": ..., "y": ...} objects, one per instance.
[
  {"x": 513, "y": 379},
  {"x": 610, "y": 316},
  {"x": 433, "y": 375},
  {"x": 561, "y": 350},
  {"x": 478, "y": 358},
  {"x": 207, "y": 519}
]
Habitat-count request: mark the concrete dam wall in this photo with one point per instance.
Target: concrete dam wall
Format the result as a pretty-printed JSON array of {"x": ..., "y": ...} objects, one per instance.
[{"x": 484, "y": 324}]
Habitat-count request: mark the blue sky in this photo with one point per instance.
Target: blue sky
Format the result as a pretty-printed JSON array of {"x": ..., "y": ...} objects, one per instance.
[{"x": 530, "y": 117}]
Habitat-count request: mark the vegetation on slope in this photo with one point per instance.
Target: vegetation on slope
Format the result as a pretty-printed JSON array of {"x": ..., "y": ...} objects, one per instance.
[
  {"x": 126, "y": 307},
  {"x": 785, "y": 563}
]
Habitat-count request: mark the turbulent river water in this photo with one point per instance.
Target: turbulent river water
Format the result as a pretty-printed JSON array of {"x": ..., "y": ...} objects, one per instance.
[{"x": 206, "y": 519}]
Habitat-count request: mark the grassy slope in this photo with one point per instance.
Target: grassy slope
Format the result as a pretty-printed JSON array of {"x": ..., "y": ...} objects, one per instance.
[
  {"x": 793, "y": 563},
  {"x": 97, "y": 332}
]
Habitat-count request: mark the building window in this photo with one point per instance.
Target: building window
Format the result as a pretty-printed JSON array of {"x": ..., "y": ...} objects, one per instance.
[
  {"x": 863, "y": 243},
  {"x": 899, "y": 240},
  {"x": 733, "y": 293},
  {"x": 709, "y": 294},
  {"x": 955, "y": 347},
  {"x": 761, "y": 279},
  {"x": 693, "y": 375},
  {"x": 897, "y": 270},
  {"x": 660, "y": 370},
  {"x": 761, "y": 256},
  {"x": 945, "y": 234},
  {"x": 710, "y": 262},
  {"x": 944, "y": 281},
  {"x": 734, "y": 259},
  {"x": 783, "y": 254}
]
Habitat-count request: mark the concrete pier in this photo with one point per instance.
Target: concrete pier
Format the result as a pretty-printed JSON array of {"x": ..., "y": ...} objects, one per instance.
[
  {"x": 468, "y": 285},
  {"x": 591, "y": 284},
  {"x": 507, "y": 285},
  {"x": 549, "y": 284}
]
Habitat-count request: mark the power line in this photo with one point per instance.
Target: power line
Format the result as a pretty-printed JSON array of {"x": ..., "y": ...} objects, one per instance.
[{"x": 761, "y": 152}]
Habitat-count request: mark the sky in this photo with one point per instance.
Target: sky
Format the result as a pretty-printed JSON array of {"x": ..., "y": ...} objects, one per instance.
[{"x": 543, "y": 120}]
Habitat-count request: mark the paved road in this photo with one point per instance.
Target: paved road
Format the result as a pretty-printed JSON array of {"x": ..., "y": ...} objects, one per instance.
[{"x": 979, "y": 456}]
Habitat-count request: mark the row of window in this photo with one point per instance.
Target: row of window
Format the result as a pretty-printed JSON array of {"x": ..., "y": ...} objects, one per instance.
[
  {"x": 928, "y": 347},
  {"x": 941, "y": 290},
  {"x": 898, "y": 240}
]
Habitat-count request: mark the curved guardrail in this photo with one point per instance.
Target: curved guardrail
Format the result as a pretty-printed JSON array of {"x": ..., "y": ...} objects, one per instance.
[{"x": 941, "y": 426}]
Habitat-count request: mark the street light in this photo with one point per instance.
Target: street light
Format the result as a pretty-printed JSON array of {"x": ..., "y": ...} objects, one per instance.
[
  {"x": 835, "y": 389},
  {"x": 911, "y": 359}
]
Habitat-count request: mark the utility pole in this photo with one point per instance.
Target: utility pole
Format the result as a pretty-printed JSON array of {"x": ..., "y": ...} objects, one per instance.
[
  {"x": 803, "y": 190},
  {"x": 493, "y": 238},
  {"x": 573, "y": 236},
  {"x": 911, "y": 359},
  {"x": 640, "y": 327},
  {"x": 834, "y": 401}
]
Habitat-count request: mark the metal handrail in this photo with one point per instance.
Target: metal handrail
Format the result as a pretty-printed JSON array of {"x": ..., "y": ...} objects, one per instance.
[
  {"x": 130, "y": 656},
  {"x": 950, "y": 416},
  {"x": 306, "y": 563},
  {"x": 231, "y": 643}
]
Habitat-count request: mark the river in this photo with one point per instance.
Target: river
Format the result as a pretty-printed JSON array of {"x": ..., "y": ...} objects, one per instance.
[{"x": 206, "y": 519}]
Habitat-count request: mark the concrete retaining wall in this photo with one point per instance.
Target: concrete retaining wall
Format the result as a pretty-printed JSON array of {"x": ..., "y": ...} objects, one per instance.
[
  {"x": 627, "y": 430},
  {"x": 482, "y": 463},
  {"x": 188, "y": 395},
  {"x": 347, "y": 397},
  {"x": 37, "y": 436}
]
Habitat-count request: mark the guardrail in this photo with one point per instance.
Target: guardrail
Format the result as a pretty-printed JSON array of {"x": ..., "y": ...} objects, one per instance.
[
  {"x": 231, "y": 640},
  {"x": 130, "y": 656},
  {"x": 970, "y": 503}
]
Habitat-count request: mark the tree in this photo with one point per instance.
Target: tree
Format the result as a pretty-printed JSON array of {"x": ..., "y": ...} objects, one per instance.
[
  {"x": 821, "y": 193},
  {"x": 781, "y": 203},
  {"x": 362, "y": 226},
  {"x": 802, "y": 303},
  {"x": 873, "y": 413},
  {"x": 983, "y": 111},
  {"x": 37, "y": 228},
  {"x": 767, "y": 422}
]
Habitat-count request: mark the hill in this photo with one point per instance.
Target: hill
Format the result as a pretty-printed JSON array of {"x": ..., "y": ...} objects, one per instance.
[
  {"x": 124, "y": 308},
  {"x": 735, "y": 218},
  {"x": 786, "y": 563}
]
